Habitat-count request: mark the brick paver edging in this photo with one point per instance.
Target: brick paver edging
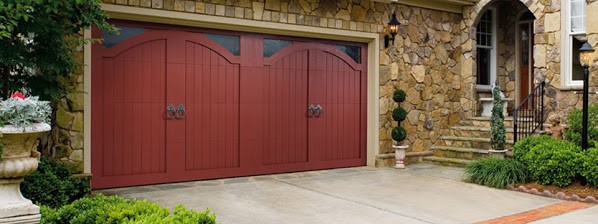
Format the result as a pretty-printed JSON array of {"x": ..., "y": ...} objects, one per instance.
[
  {"x": 558, "y": 195},
  {"x": 539, "y": 213}
]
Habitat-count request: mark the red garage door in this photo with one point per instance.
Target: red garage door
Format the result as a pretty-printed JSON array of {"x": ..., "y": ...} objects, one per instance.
[{"x": 175, "y": 104}]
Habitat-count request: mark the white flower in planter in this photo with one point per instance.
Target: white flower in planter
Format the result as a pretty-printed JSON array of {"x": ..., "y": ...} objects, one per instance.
[
  {"x": 19, "y": 111},
  {"x": 21, "y": 121}
]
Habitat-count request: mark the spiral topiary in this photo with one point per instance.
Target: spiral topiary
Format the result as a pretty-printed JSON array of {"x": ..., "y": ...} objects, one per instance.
[
  {"x": 399, "y": 114},
  {"x": 399, "y": 96},
  {"x": 398, "y": 134}
]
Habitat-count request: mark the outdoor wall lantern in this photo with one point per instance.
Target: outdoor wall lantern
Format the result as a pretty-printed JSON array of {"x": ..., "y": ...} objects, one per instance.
[
  {"x": 585, "y": 58},
  {"x": 393, "y": 27}
]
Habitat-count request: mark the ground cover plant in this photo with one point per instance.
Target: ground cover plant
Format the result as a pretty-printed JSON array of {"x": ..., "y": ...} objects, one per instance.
[
  {"x": 497, "y": 173},
  {"x": 103, "y": 210},
  {"x": 550, "y": 164},
  {"x": 53, "y": 185}
]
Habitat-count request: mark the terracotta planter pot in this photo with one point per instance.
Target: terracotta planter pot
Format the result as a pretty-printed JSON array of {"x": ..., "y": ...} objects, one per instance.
[{"x": 19, "y": 159}]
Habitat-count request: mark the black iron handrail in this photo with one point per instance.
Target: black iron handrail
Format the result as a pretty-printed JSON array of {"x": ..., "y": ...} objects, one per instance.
[{"x": 529, "y": 115}]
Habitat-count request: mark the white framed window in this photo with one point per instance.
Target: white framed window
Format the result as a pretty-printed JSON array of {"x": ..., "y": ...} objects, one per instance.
[
  {"x": 573, "y": 23},
  {"x": 486, "y": 49}
]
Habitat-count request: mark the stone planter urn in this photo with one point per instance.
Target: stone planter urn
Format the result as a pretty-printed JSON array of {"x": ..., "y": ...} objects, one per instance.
[
  {"x": 19, "y": 159},
  {"x": 400, "y": 155},
  {"x": 499, "y": 154}
]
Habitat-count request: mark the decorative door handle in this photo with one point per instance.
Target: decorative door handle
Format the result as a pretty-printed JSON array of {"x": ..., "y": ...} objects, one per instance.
[
  {"x": 311, "y": 110},
  {"x": 170, "y": 112},
  {"x": 180, "y": 112},
  {"x": 319, "y": 111}
]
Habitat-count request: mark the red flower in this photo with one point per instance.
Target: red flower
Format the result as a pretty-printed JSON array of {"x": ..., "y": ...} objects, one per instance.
[{"x": 18, "y": 95}]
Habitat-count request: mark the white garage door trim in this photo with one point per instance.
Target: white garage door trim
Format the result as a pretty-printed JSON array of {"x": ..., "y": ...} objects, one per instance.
[{"x": 225, "y": 23}]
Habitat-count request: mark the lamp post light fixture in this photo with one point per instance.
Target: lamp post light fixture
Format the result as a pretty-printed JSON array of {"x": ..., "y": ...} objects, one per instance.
[
  {"x": 585, "y": 58},
  {"x": 393, "y": 28}
]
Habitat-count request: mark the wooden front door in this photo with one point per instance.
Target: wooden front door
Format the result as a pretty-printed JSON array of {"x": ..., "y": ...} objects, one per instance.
[
  {"x": 526, "y": 59},
  {"x": 176, "y": 104}
]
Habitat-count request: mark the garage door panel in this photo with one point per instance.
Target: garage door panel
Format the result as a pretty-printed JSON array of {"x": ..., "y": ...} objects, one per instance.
[
  {"x": 284, "y": 100},
  {"x": 339, "y": 124},
  {"x": 123, "y": 102},
  {"x": 212, "y": 121},
  {"x": 246, "y": 109}
]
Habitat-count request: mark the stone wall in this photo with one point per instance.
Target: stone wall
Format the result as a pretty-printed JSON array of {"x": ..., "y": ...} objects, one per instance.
[
  {"x": 426, "y": 63},
  {"x": 66, "y": 138}
]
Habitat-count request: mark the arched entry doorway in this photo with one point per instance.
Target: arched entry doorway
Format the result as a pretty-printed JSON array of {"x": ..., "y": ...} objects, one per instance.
[{"x": 504, "y": 50}]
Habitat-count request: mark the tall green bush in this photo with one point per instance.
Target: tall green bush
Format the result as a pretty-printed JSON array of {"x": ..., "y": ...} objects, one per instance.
[
  {"x": 498, "y": 134},
  {"x": 554, "y": 162},
  {"x": 589, "y": 166},
  {"x": 38, "y": 39},
  {"x": 497, "y": 173},
  {"x": 522, "y": 147},
  {"x": 574, "y": 120},
  {"x": 107, "y": 210},
  {"x": 53, "y": 185}
]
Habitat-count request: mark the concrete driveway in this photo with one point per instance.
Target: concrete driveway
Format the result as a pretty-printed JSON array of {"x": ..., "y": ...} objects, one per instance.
[{"x": 422, "y": 193}]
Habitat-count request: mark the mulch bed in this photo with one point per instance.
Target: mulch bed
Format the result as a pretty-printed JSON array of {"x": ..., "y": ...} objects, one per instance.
[{"x": 573, "y": 192}]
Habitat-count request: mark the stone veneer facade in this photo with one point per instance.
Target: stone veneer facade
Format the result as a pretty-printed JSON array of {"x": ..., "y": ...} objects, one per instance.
[
  {"x": 66, "y": 139},
  {"x": 433, "y": 60}
]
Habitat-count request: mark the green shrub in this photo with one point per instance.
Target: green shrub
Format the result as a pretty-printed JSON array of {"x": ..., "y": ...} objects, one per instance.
[
  {"x": 399, "y": 114},
  {"x": 589, "y": 166},
  {"x": 102, "y": 209},
  {"x": 522, "y": 147},
  {"x": 398, "y": 134},
  {"x": 399, "y": 96},
  {"x": 554, "y": 162},
  {"x": 53, "y": 185},
  {"x": 574, "y": 120},
  {"x": 497, "y": 173}
]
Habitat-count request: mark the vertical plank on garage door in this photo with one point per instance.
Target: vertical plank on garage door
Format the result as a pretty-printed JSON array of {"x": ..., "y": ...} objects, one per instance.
[
  {"x": 285, "y": 99},
  {"x": 108, "y": 117},
  {"x": 192, "y": 57},
  {"x": 212, "y": 95},
  {"x": 127, "y": 110},
  {"x": 146, "y": 108},
  {"x": 137, "y": 108},
  {"x": 158, "y": 128},
  {"x": 118, "y": 115}
]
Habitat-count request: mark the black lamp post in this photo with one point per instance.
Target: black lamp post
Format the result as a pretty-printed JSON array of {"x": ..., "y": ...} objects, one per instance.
[
  {"x": 585, "y": 58},
  {"x": 393, "y": 27}
]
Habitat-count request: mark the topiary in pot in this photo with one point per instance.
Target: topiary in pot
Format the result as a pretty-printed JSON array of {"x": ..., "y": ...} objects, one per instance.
[
  {"x": 399, "y": 114},
  {"x": 398, "y": 134},
  {"x": 399, "y": 96},
  {"x": 498, "y": 134}
]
